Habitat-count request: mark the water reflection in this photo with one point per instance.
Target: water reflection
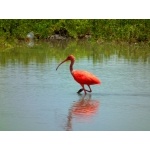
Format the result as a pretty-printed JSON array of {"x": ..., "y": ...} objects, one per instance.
[
  {"x": 43, "y": 52},
  {"x": 82, "y": 110},
  {"x": 28, "y": 79}
]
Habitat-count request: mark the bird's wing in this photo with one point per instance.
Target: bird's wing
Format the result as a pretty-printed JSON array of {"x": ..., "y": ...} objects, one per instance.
[{"x": 84, "y": 77}]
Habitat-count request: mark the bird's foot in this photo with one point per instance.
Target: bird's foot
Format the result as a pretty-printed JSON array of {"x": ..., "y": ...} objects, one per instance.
[{"x": 80, "y": 91}]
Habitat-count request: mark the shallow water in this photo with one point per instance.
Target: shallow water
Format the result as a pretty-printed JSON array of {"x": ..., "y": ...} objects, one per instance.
[{"x": 34, "y": 96}]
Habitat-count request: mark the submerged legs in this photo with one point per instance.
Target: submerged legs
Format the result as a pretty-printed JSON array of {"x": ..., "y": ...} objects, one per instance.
[{"x": 84, "y": 89}]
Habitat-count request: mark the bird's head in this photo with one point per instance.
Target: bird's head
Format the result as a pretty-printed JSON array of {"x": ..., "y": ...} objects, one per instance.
[{"x": 70, "y": 57}]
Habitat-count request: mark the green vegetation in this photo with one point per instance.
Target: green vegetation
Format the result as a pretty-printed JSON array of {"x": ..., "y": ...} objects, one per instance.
[
  {"x": 58, "y": 50},
  {"x": 127, "y": 30}
]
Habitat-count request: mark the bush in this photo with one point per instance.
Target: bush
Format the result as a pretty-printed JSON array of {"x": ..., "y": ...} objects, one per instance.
[{"x": 105, "y": 29}]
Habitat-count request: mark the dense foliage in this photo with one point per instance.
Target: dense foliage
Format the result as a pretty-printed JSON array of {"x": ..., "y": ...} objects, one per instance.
[{"x": 102, "y": 29}]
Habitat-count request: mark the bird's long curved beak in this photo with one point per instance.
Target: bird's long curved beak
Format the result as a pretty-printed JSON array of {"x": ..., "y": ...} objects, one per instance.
[{"x": 61, "y": 63}]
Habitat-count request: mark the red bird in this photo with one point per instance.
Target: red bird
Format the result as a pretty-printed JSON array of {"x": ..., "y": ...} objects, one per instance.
[{"x": 81, "y": 76}]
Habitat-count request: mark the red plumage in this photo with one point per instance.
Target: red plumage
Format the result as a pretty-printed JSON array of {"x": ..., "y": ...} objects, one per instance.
[{"x": 84, "y": 77}]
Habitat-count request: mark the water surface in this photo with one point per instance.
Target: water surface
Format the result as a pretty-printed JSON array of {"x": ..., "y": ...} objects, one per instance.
[{"x": 34, "y": 96}]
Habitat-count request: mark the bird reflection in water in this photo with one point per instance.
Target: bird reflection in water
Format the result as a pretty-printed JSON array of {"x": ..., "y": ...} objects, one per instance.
[{"x": 83, "y": 109}]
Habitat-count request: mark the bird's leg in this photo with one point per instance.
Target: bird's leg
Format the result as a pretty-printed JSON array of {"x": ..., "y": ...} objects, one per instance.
[
  {"x": 89, "y": 88},
  {"x": 82, "y": 89}
]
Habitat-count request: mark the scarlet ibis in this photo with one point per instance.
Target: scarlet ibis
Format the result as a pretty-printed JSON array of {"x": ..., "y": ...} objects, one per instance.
[{"x": 81, "y": 76}]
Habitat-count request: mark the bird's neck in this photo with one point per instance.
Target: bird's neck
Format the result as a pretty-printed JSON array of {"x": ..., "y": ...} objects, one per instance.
[{"x": 71, "y": 65}]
